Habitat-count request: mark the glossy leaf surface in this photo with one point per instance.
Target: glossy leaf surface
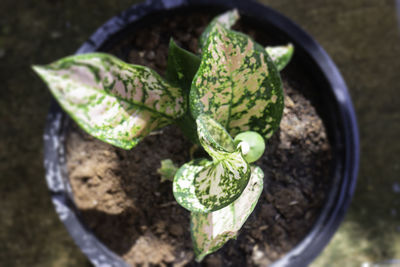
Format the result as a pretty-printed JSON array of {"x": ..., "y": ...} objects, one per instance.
[
  {"x": 211, "y": 231},
  {"x": 237, "y": 84},
  {"x": 182, "y": 66},
  {"x": 227, "y": 20},
  {"x": 183, "y": 185},
  {"x": 221, "y": 182},
  {"x": 281, "y": 55},
  {"x": 116, "y": 102},
  {"x": 214, "y": 184}
]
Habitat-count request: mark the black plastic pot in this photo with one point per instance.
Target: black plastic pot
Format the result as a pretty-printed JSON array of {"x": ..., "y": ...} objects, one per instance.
[{"x": 332, "y": 101}]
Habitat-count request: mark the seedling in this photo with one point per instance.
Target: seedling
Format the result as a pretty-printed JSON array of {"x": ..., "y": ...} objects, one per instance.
[{"x": 228, "y": 100}]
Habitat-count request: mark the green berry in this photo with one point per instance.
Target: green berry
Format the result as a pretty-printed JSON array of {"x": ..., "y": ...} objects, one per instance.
[{"x": 252, "y": 145}]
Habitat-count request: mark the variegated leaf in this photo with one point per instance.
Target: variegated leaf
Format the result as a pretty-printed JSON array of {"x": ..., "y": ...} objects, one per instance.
[
  {"x": 213, "y": 137},
  {"x": 211, "y": 231},
  {"x": 220, "y": 183},
  {"x": 227, "y": 20},
  {"x": 237, "y": 84},
  {"x": 114, "y": 101},
  {"x": 216, "y": 189},
  {"x": 183, "y": 185},
  {"x": 281, "y": 55},
  {"x": 206, "y": 186}
]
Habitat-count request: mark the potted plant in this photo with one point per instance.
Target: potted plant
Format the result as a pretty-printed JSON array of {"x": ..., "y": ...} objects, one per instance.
[{"x": 188, "y": 80}]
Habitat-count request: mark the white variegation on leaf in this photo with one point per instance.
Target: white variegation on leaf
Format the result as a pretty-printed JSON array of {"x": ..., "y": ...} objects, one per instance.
[
  {"x": 237, "y": 84},
  {"x": 211, "y": 231},
  {"x": 281, "y": 55},
  {"x": 206, "y": 186},
  {"x": 116, "y": 102},
  {"x": 220, "y": 183},
  {"x": 183, "y": 185},
  {"x": 213, "y": 137},
  {"x": 227, "y": 19}
]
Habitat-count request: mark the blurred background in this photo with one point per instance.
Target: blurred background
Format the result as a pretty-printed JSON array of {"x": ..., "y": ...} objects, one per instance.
[{"x": 362, "y": 37}]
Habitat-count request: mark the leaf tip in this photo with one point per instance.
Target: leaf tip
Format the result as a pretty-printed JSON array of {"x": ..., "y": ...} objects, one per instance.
[
  {"x": 171, "y": 41},
  {"x": 43, "y": 72},
  {"x": 290, "y": 48},
  {"x": 40, "y": 70},
  {"x": 235, "y": 13},
  {"x": 280, "y": 55}
]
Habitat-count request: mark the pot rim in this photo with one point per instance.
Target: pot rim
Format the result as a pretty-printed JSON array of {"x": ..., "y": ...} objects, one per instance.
[{"x": 338, "y": 199}]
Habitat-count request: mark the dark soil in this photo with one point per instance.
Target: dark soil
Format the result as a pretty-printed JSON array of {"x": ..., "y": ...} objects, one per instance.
[{"x": 121, "y": 198}]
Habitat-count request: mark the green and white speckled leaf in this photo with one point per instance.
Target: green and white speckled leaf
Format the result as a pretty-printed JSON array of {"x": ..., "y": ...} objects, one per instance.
[
  {"x": 227, "y": 20},
  {"x": 237, "y": 84},
  {"x": 281, "y": 55},
  {"x": 183, "y": 185},
  {"x": 213, "y": 137},
  {"x": 116, "y": 102},
  {"x": 211, "y": 231},
  {"x": 205, "y": 186},
  {"x": 220, "y": 183}
]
